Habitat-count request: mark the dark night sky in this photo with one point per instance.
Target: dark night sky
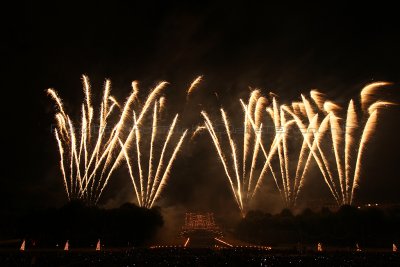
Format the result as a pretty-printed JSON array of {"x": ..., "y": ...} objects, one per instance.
[{"x": 281, "y": 47}]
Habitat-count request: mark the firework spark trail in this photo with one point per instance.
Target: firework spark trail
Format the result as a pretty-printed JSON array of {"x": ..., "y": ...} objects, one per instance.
[
  {"x": 111, "y": 110},
  {"x": 366, "y": 135},
  {"x": 77, "y": 162},
  {"x": 278, "y": 128},
  {"x": 83, "y": 131},
  {"x": 300, "y": 178},
  {"x": 168, "y": 169},
  {"x": 234, "y": 156},
  {"x": 282, "y": 168},
  {"x": 106, "y": 154},
  {"x": 309, "y": 133},
  {"x": 161, "y": 160},
  {"x": 325, "y": 160},
  {"x": 271, "y": 113},
  {"x": 147, "y": 196},
  {"x": 124, "y": 115},
  {"x": 267, "y": 164},
  {"x": 293, "y": 190},
  {"x": 114, "y": 101},
  {"x": 153, "y": 135},
  {"x": 336, "y": 141},
  {"x": 77, "y": 149},
  {"x": 104, "y": 108},
  {"x": 162, "y": 103},
  {"x": 276, "y": 113},
  {"x": 254, "y": 158},
  {"x": 317, "y": 159},
  {"x": 61, "y": 125},
  {"x": 330, "y": 182},
  {"x": 60, "y": 148},
  {"x": 261, "y": 102},
  {"x": 139, "y": 199},
  {"x": 139, "y": 162},
  {"x": 304, "y": 108},
  {"x": 72, "y": 157},
  {"x": 53, "y": 94},
  {"x": 82, "y": 154},
  {"x": 309, "y": 110},
  {"x": 271, "y": 153},
  {"x": 193, "y": 85},
  {"x": 296, "y": 108},
  {"x": 275, "y": 179},
  {"x": 368, "y": 92},
  {"x": 85, "y": 137},
  {"x": 378, "y": 105},
  {"x": 101, "y": 126},
  {"x": 106, "y": 94},
  {"x": 101, "y": 154},
  {"x": 330, "y": 107},
  {"x": 300, "y": 162},
  {"x": 285, "y": 153},
  {"x": 258, "y": 111},
  {"x": 83, "y": 144},
  {"x": 268, "y": 156},
  {"x": 348, "y": 181},
  {"x": 351, "y": 124},
  {"x": 252, "y": 123},
  {"x": 150, "y": 98},
  {"x": 248, "y": 116},
  {"x": 134, "y": 132},
  {"x": 197, "y": 131},
  {"x": 246, "y": 128},
  {"x": 348, "y": 184},
  {"x": 323, "y": 127},
  {"x": 113, "y": 137},
  {"x": 97, "y": 158},
  {"x": 217, "y": 145},
  {"x": 89, "y": 108},
  {"x": 319, "y": 98}
]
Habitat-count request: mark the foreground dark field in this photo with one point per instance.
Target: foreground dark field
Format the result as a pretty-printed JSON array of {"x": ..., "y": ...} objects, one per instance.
[{"x": 197, "y": 257}]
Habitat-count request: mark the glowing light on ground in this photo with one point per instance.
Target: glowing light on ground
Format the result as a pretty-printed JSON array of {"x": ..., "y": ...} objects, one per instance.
[{"x": 223, "y": 242}]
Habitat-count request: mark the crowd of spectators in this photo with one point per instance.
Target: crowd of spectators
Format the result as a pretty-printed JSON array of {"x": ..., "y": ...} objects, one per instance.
[{"x": 196, "y": 257}]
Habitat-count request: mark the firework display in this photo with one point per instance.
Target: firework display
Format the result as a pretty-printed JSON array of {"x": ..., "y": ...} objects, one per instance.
[
  {"x": 310, "y": 130},
  {"x": 335, "y": 139},
  {"x": 89, "y": 157}
]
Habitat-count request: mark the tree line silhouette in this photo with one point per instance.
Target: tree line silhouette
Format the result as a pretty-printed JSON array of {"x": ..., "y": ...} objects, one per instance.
[{"x": 372, "y": 227}]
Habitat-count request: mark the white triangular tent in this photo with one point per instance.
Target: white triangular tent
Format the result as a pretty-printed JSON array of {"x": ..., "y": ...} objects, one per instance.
[
  {"x": 66, "y": 247},
  {"x": 22, "y": 248},
  {"x": 98, "y": 246},
  {"x": 394, "y": 248}
]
